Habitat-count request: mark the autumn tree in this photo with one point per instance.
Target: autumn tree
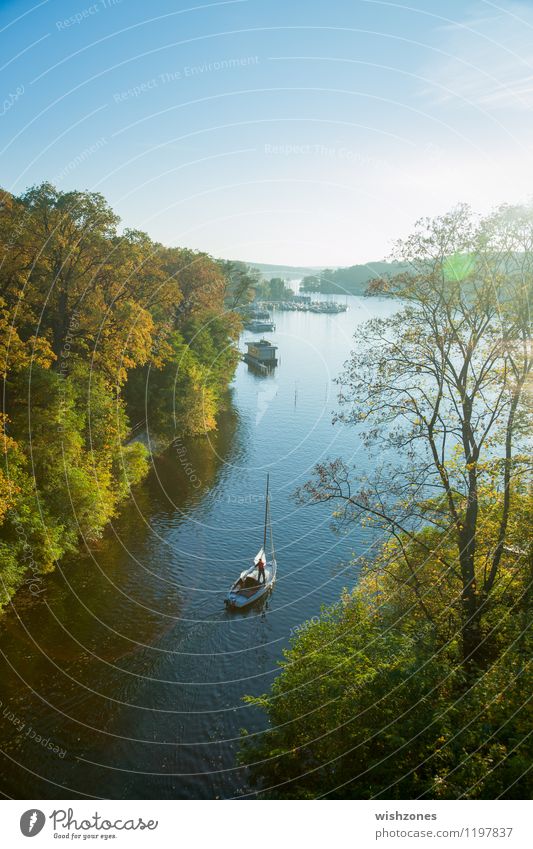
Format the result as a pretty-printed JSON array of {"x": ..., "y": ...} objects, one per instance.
[
  {"x": 242, "y": 282},
  {"x": 87, "y": 314},
  {"x": 438, "y": 389}
]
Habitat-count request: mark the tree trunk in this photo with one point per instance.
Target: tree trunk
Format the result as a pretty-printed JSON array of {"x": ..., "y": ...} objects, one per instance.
[
  {"x": 471, "y": 602},
  {"x": 471, "y": 634}
]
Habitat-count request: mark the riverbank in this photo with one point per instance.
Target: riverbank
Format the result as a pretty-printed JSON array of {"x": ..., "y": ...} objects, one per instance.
[{"x": 123, "y": 325}]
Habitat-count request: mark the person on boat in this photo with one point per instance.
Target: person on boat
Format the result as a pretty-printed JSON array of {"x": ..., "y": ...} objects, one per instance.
[{"x": 261, "y": 570}]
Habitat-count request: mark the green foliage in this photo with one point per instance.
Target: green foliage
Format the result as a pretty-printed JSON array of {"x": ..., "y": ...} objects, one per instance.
[
  {"x": 354, "y": 280},
  {"x": 241, "y": 282},
  {"x": 274, "y": 289},
  {"x": 179, "y": 397},
  {"x": 373, "y": 701},
  {"x": 441, "y": 386},
  {"x": 418, "y": 685},
  {"x": 86, "y": 315}
]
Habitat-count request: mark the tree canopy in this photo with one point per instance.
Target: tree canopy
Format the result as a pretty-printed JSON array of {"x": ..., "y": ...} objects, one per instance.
[
  {"x": 418, "y": 683},
  {"x": 94, "y": 321}
]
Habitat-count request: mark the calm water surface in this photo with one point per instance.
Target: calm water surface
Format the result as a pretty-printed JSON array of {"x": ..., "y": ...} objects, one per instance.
[{"x": 128, "y": 662}]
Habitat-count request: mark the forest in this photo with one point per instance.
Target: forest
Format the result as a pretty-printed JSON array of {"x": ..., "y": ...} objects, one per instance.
[
  {"x": 352, "y": 280},
  {"x": 417, "y": 683},
  {"x": 99, "y": 329}
]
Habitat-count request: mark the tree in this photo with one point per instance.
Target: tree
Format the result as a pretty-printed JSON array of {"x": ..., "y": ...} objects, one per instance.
[
  {"x": 67, "y": 235},
  {"x": 86, "y": 314},
  {"x": 278, "y": 289},
  {"x": 373, "y": 702},
  {"x": 241, "y": 283},
  {"x": 440, "y": 386},
  {"x": 311, "y": 283}
]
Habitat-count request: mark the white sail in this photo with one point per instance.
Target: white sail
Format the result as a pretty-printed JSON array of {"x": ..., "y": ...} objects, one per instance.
[{"x": 260, "y": 556}]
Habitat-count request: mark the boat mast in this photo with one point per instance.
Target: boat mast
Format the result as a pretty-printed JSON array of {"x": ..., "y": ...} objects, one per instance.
[
  {"x": 272, "y": 552},
  {"x": 266, "y": 516}
]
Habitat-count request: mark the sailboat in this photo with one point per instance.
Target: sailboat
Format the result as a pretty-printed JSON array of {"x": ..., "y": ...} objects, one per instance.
[{"x": 248, "y": 587}]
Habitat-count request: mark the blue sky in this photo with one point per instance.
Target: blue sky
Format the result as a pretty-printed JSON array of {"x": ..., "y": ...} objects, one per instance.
[{"x": 308, "y": 133}]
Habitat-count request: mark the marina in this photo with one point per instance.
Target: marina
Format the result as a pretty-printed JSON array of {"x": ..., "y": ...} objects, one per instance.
[{"x": 308, "y": 306}]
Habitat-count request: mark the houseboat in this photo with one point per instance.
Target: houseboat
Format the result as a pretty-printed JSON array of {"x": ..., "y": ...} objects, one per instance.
[{"x": 261, "y": 355}]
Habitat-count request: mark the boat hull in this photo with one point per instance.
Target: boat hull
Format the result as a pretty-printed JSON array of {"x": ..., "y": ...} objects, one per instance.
[
  {"x": 260, "y": 326},
  {"x": 238, "y": 599},
  {"x": 261, "y": 365}
]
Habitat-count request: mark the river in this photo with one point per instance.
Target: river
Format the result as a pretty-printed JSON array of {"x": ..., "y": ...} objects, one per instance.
[{"x": 126, "y": 677}]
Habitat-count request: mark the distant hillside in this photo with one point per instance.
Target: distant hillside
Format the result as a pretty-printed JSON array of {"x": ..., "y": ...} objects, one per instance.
[
  {"x": 286, "y": 272},
  {"x": 353, "y": 280}
]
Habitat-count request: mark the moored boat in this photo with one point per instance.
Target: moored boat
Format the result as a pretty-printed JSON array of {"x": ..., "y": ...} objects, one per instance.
[
  {"x": 259, "y": 325},
  {"x": 261, "y": 355}
]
